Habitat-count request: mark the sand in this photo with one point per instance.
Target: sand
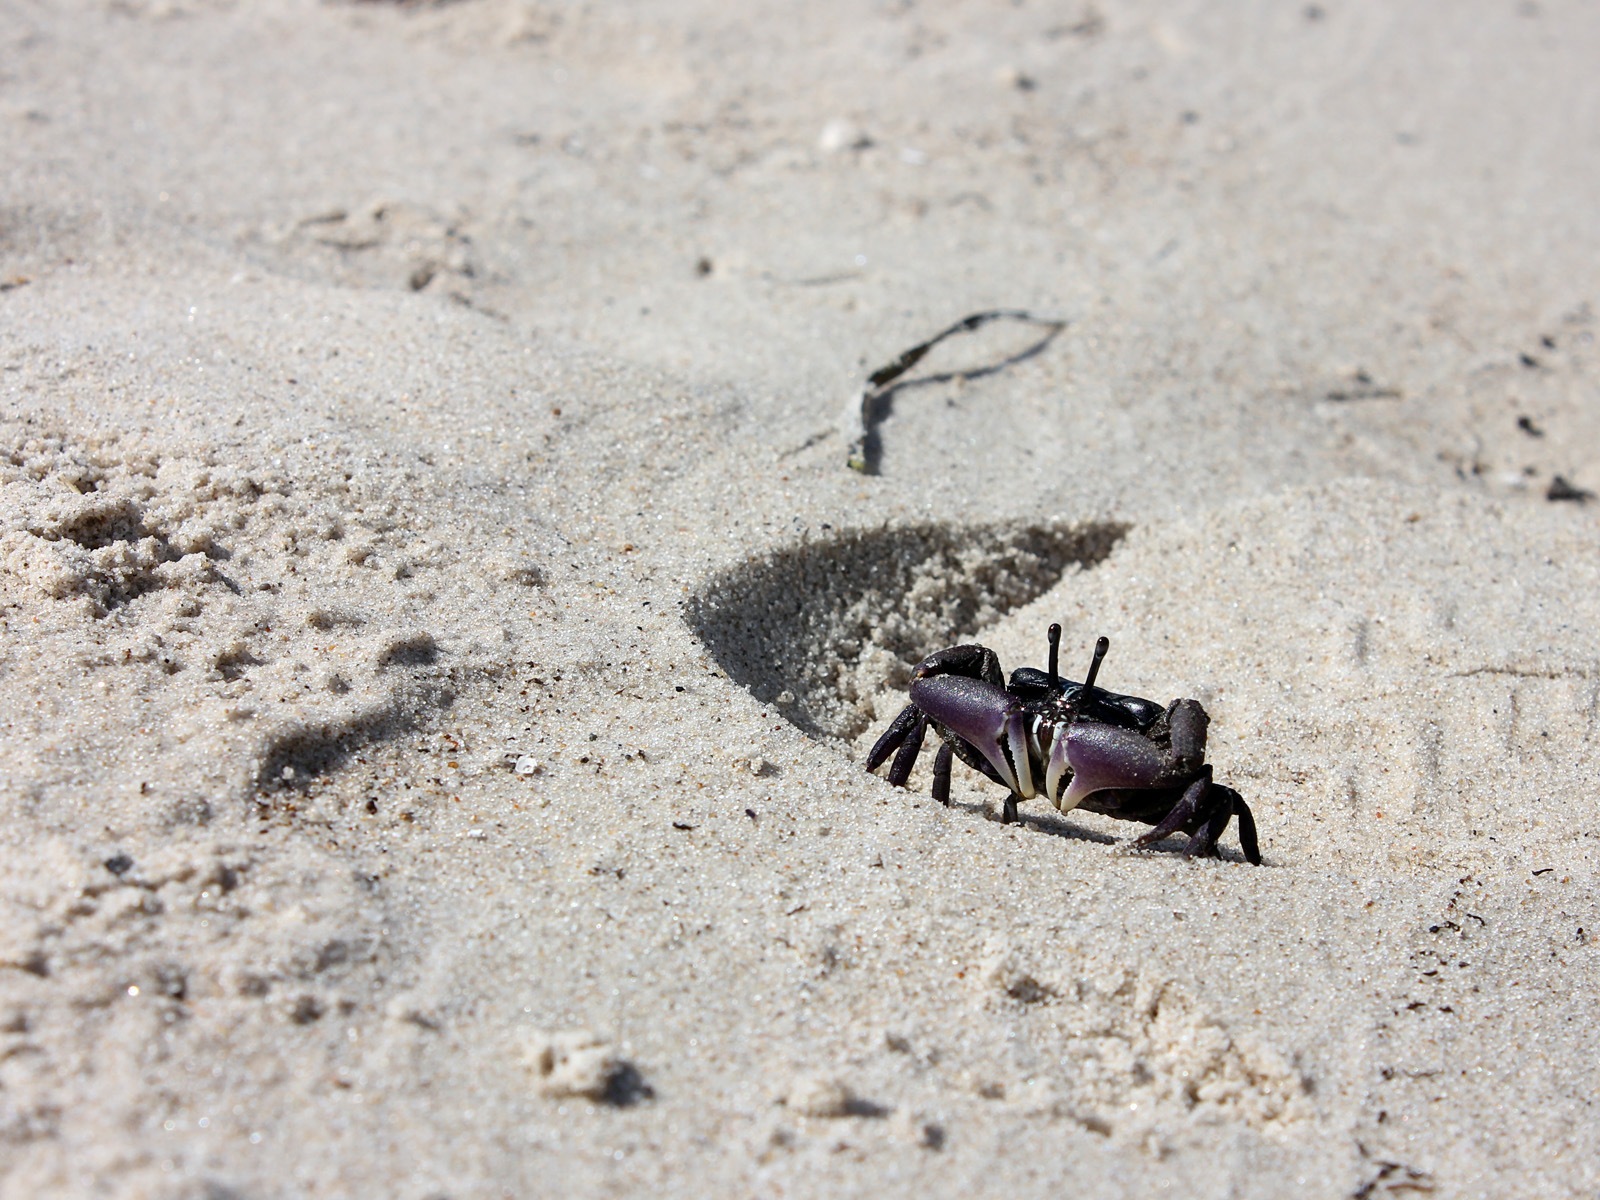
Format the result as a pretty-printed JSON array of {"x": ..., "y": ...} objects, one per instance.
[{"x": 440, "y": 634}]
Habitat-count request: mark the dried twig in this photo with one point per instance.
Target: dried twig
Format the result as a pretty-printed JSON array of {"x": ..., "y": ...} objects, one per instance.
[{"x": 864, "y": 412}]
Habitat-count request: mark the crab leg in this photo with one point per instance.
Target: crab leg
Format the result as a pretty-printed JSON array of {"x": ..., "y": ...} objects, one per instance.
[
  {"x": 1183, "y": 812},
  {"x": 1247, "y": 826},
  {"x": 941, "y": 774},
  {"x": 1203, "y": 842},
  {"x": 900, "y": 769},
  {"x": 893, "y": 736}
]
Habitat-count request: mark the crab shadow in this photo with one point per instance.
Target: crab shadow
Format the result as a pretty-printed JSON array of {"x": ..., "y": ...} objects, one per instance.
[
  {"x": 818, "y": 629},
  {"x": 1061, "y": 826}
]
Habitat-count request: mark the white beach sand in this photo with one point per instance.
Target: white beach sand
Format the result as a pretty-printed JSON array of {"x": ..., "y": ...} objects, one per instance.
[{"x": 440, "y": 636}]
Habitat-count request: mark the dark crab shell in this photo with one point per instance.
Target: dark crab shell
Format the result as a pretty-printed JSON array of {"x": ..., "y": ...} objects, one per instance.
[{"x": 1076, "y": 744}]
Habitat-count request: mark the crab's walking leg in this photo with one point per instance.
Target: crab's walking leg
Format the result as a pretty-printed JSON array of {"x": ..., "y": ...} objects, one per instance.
[
  {"x": 1247, "y": 827},
  {"x": 941, "y": 774},
  {"x": 1203, "y": 842},
  {"x": 900, "y": 769},
  {"x": 1183, "y": 812},
  {"x": 1008, "y": 813},
  {"x": 893, "y": 736}
]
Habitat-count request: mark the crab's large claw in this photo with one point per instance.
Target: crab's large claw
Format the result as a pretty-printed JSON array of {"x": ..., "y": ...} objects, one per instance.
[
  {"x": 984, "y": 716},
  {"x": 1105, "y": 756}
]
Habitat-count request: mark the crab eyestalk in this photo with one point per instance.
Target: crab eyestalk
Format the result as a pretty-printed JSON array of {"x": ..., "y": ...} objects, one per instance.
[
  {"x": 1054, "y": 635},
  {"x": 1100, "y": 647}
]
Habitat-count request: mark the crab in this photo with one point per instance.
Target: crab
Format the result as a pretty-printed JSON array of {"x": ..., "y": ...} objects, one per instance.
[{"x": 1076, "y": 744}]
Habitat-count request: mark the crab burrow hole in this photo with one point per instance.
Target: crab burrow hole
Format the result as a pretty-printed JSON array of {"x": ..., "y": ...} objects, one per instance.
[{"x": 819, "y": 628}]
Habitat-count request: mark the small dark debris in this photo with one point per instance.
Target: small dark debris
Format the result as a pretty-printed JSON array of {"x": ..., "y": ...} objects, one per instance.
[
  {"x": 1028, "y": 990},
  {"x": 856, "y": 1106},
  {"x": 1528, "y": 427},
  {"x": 305, "y": 1010},
  {"x": 932, "y": 1136},
  {"x": 682, "y": 826},
  {"x": 1544, "y": 870},
  {"x": 703, "y": 267},
  {"x": 751, "y": 813},
  {"x": 627, "y": 1087},
  {"x": 527, "y": 575},
  {"x": 1561, "y": 489},
  {"x": 1529, "y": 361},
  {"x": 1363, "y": 387},
  {"x": 172, "y": 981},
  {"x": 119, "y": 864}
]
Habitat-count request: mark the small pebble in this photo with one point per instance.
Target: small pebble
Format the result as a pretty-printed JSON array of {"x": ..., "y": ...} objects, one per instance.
[
  {"x": 573, "y": 1063},
  {"x": 818, "y": 1096},
  {"x": 840, "y": 135}
]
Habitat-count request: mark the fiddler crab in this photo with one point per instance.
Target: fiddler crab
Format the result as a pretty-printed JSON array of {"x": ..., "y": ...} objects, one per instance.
[{"x": 1078, "y": 745}]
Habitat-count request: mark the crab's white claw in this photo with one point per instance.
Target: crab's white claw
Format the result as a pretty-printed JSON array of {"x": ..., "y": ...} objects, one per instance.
[{"x": 1055, "y": 767}]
